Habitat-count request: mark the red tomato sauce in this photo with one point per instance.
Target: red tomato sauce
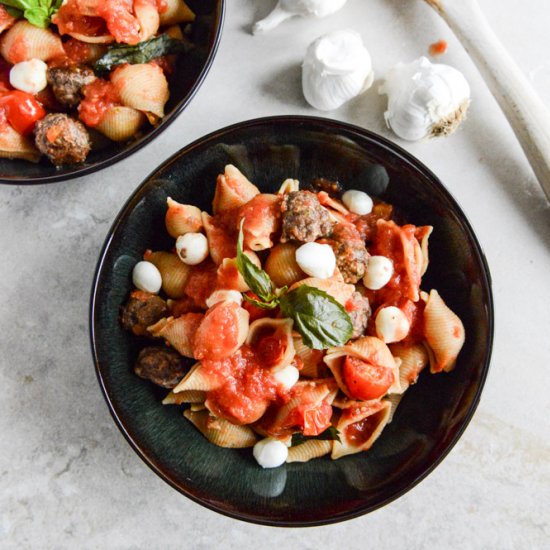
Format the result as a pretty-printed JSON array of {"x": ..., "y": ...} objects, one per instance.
[
  {"x": 217, "y": 336},
  {"x": 270, "y": 349},
  {"x": 202, "y": 282},
  {"x": 366, "y": 225},
  {"x": 256, "y": 312},
  {"x": 358, "y": 433},
  {"x": 5, "y": 68},
  {"x": 99, "y": 96},
  {"x": 121, "y": 23},
  {"x": 69, "y": 20},
  {"x": 438, "y": 48},
  {"x": 247, "y": 390}
]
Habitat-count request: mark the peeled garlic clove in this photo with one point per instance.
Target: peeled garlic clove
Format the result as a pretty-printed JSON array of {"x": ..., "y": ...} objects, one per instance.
[
  {"x": 289, "y": 8},
  {"x": 337, "y": 68},
  {"x": 425, "y": 99}
]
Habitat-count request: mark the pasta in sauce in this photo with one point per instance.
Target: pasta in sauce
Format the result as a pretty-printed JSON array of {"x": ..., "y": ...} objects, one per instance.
[
  {"x": 265, "y": 372},
  {"x": 98, "y": 67}
]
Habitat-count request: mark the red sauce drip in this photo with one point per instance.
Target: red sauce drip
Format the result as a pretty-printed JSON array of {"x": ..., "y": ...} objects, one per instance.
[
  {"x": 99, "y": 96},
  {"x": 438, "y": 48},
  {"x": 201, "y": 283},
  {"x": 247, "y": 388},
  {"x": 359, "y": 433}
]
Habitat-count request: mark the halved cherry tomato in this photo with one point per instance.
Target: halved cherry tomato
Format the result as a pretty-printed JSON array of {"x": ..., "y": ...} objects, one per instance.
[
  {"x": 22, "y": 110},
  {"x": 313, "y": 419},
  {"x": 366, "y": 381},
  {"x": 270, "y": 350},
  {"x": 256, "y": 312}
]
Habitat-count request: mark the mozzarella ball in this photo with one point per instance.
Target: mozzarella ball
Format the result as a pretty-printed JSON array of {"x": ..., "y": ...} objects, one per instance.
[
  {"x": 391, "y": 324},
  {"x": 287, "y": 377},
  {"x": 379, "y": 272},
  {"x": 317, "y": 260},
  {"x": 224, "y": 296},
  {"x": 270, "y": 453},
  {"x": 147, "y": 277},
  {"x": 29, "y": 76},
  {"x": 357, "y": 202},
  {"x": 192, "y": 248}
]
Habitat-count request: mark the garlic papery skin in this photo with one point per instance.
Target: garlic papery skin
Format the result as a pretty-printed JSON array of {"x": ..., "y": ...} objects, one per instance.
[
  {"x": 337, "y": 67},
  {"x": 425, "y": 99},
  {"x": 289, "y": 8}
]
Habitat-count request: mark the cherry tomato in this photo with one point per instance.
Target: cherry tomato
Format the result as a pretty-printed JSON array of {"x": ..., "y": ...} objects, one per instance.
[
  {"x": 366, "y": 381},
  {"x": 256, "y": 312},
  {"x": 22, "y": 110},
  {"x": 313, "y": 419},
  {"x": 270, "y": 350}
]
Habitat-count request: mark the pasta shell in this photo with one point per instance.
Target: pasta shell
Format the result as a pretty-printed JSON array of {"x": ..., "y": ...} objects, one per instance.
[
  {"x": 282, "y": 328},
  {"x": 360, "y": 428},
  {"x": 185, "y": 396},
  {"x": 444, "y": 333},
  {"x": 14, "y": 146},
  {"x": 262, "y": 219},
  {"x": 182, "y": 218},
  {"x": 148, "y": 18},
  {"x": 339, "y": 290},
  {"x": 229, "y": 277},
  {"x": 422, "y": 234},
  {"x": 233, "y": 189},
  {"x": 413, "y": 359},
  {"x": 220, "y": 243},
  {"x": 121, "y": 123},
  {"x": 221, "y": 432},
  {"x": 25, "y": 41},
  {"x": 308, "y": 450},
  {"x": 177, "y": 11},
  {"x": 198, "y": 380},
  {"x": 103, "y": 39},
  {"x": 142, "y": 86},
  {"x": 173, "y": 271},
  {"x": 393, "y": 400},
  {"x": 312, "y": 359},
  {"x": 178, "y": 332},
  {"x": 289, "y": 186},
  {"x": 369, "y": 349},
  {"x": 6, "y": 20},
  {"x": 282, "y": 267}
]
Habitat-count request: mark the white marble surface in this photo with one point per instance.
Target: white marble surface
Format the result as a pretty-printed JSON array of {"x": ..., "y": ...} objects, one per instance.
[{"x": 68, "y": 479}]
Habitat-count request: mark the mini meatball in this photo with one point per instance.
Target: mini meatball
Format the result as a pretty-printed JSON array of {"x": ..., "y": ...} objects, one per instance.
[
  {"x": 162, "y": 366},
  {"x": 62, "y": 139},
  {"x": 141, "y": 311},
  {"x": 67, "y": 83},
  {"x": 304, "y": 219},
  {"x": 349, "y": 249},
  {"x": 358, "y": 308}
]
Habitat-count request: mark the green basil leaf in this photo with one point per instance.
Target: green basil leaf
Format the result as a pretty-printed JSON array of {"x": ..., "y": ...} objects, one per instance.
[
  {"x": 330, "y": 434},
  {"x": 257, "y": 279},
  {"x": 38, "y": 17},
  {"x": 36, "y": 12},
  {"x": 262, "y": 305},
  {"x": 18, "y": 4},
  {"x": 319, "y": 318},
  {"x": 140, "y": 53}
]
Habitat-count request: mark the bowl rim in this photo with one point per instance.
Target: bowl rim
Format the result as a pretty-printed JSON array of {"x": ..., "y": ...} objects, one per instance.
[
  {"x": 138, "y": 144},
  {"x": 393, "y": 149}
]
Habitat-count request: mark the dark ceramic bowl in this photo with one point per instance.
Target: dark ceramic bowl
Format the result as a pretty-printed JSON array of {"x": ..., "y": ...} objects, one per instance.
[
  {"x": 433, "y": 413},
  {"x": 184, "y": 83}
]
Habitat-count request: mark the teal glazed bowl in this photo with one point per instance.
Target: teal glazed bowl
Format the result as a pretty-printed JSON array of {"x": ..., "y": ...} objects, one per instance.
[
  {"x": 189, "y": 74},
  {"x": 433, "y": 414}
]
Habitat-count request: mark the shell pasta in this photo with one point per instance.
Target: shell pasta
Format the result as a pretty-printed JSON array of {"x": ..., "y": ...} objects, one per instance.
[{"x": 266, "y": 342}]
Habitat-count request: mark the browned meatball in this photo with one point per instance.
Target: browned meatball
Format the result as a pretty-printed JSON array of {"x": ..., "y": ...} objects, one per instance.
[
  {"x": 67, "y": 83},
  {"x": 62, "y": 139},
  {"x": 163, "y": 366},
  {"x": 359, "y": 311},
  {"x": 141, "y": 311},
  {"x": 304, "y": 219},
  {"x": 349, "y": 249}
]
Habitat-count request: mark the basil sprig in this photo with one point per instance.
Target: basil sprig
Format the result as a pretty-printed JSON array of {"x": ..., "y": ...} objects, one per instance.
[
  {"x": 140, "y": 53},
  {"x": 318, "y": 317},
  {"x": 330, "y": 434},
  {"x": 37, "y": 12}
]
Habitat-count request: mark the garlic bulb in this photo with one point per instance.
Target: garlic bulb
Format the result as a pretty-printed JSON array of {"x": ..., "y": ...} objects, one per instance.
[
  {"x": 425, "y": 99},
  {"x": 289, "y": 8},
  {"x": 337, "y": 67}
]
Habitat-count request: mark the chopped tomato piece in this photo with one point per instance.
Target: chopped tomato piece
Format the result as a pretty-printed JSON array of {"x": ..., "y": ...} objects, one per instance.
[
  {"x": 22, "y": 110},
  {"x": 366, "y": 381},
  {"x": 313, "y": 419}
]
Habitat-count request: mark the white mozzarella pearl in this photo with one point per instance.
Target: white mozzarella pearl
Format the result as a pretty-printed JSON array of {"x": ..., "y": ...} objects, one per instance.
[
  {"x": 192, "y": 248},
  {"x": 317, "y": 260},
  {"x": 224, "y": 296},
  {"x": 392, "y": 324},
  {"x": 147, "y": 277},
  {"x": 379, "y": 272},
  {"x": 357, "y": 202},
  {"x": 270, "y": 453},
  {"x": 287, "y": 376},
  {"x": 29, "y": 76}
]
